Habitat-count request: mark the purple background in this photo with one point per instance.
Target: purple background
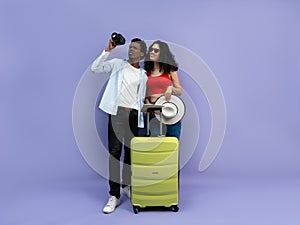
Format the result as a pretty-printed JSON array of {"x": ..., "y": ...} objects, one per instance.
[{"x": 251, "y": 46}]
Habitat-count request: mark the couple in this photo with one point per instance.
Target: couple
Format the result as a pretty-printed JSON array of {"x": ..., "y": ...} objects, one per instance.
[{"x": 123, "y": 100}]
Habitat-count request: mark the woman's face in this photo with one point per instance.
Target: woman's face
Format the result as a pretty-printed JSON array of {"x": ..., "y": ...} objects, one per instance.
[{"x": 154, "y": 52}]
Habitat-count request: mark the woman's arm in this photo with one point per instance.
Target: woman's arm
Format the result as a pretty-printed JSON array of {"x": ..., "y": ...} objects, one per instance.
[{"x": 176, "y": 88}]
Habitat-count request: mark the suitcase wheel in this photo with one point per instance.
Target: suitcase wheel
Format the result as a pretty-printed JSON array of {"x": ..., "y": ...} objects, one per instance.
[
  {"x": 135, "y": 209},
  {"x": 174, "y": 208}
]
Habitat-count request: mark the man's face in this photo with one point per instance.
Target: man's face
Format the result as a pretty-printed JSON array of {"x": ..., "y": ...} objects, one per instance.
[{"x": 134, "y": 52}]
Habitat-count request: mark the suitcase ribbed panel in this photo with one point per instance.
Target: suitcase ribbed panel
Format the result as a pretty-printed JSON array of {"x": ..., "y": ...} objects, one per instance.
[
  {"x": 154, "y": 172},
  {"x": 154, "y": 144},
  {"x": 155, "y": 187},
  {"x": 159, "y": 158},
  {"x": 166, "y": 200}
]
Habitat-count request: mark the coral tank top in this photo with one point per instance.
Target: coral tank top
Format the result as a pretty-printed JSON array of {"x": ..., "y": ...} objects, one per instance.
[{"x": 158, "y": 84}]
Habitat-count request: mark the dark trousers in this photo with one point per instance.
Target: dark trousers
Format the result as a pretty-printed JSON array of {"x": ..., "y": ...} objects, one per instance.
[{"x": 121, "y": 129}]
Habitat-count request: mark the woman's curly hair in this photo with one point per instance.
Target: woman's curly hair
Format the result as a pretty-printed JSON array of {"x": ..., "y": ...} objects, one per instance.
[{"x": 167, "y": 62}]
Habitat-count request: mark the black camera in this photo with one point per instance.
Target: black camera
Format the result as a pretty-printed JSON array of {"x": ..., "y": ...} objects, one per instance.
[{"x": 118, "y": 39}]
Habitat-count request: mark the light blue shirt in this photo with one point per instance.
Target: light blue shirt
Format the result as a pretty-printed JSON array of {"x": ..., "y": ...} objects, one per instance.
[{"x": 109, "y": 101}]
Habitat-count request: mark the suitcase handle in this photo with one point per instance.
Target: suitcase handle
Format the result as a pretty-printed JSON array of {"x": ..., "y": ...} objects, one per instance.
[
  {"x": 148, "y": 108},
  {"x": 159, "y": 108}
]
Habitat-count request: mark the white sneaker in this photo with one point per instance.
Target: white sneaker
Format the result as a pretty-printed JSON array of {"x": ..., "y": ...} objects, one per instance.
[
  {"x": 126, "y": 191},
  {"x": 111, "y": 205}
]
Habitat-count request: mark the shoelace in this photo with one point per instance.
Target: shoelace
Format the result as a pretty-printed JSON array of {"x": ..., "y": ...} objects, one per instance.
[{"x": 109, "y": 202}]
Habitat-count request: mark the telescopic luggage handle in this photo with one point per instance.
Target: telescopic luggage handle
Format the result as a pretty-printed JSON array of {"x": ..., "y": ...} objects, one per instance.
[{"x": 148, "y": 108}]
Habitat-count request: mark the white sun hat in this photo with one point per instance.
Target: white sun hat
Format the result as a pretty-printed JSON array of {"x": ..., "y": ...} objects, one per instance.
[{"x": 172, "y": 110}]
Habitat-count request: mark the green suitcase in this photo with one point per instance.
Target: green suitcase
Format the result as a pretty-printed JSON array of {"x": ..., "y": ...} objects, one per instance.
[{"x": 154, "y": 165}]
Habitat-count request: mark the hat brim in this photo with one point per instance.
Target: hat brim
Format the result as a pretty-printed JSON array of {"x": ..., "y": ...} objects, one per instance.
[{"x": 179, "y": 104}]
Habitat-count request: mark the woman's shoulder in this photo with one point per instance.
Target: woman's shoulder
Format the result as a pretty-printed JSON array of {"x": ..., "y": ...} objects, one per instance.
[{"x": 166, "y": 75}]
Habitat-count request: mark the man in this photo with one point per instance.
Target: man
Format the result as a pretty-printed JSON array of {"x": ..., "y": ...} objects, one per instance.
[{"x": 122, "y": 100}]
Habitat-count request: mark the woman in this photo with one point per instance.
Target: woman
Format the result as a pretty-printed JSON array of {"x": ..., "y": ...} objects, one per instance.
[{"x": 163, "y": 79}]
